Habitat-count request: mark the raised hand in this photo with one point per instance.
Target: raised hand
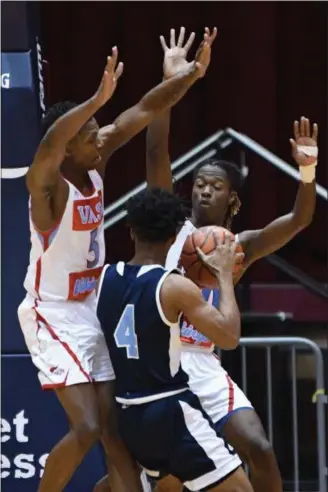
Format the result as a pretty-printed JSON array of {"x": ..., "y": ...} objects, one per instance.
[
  {"x": 224, "y": 257},
  {"x": 109, "y": 79},
  {"x": 304, "y": 137},
  {"x": 203, "y": 54},
  {"x": 175, "y": 56}
]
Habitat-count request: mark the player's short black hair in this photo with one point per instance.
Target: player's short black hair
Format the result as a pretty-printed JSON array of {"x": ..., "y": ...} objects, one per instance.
[
  {"x": 155, "y": 215},
  {"x": 55, "y": 112},
  {"x": 231, "y": 169}
]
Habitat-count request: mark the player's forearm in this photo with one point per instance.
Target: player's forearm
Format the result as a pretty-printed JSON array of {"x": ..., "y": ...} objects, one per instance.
[
  {"x": 229, "y": 310},
  {"x": 158, "y": 162},
  {"x": 68, "y": 125},
  {"x": 169, "y": 92},
  {"x": 157, "y": 140},
  {"x": 304, "y": 204}
]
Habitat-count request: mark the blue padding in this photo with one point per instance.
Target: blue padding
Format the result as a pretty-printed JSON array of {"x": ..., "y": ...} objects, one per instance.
[
  {"x": 20, "y": 115},
  {"x": 32, "y": 421}
]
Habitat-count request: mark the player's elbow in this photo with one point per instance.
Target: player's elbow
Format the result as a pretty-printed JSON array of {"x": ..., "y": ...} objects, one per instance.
[
  {"x": 229, "y": 338},
  {"x": 232, "y": 343},
  {"x": 306, "y": 221},
  {"x": 303, "y": 219}
]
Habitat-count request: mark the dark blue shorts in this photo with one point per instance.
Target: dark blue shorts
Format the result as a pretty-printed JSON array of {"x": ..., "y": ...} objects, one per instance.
[{"x": 174, "y": 436}]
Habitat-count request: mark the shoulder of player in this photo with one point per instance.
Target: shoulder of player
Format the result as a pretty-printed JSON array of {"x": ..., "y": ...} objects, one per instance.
[
  {"x": 245, "y": 238},
  {"x": 176, "y": 286}
]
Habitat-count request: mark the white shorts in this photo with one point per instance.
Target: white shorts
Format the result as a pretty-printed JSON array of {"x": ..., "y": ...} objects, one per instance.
[
  {"x": 65, "y": 341},
  {"x": 219, "y": 395}
]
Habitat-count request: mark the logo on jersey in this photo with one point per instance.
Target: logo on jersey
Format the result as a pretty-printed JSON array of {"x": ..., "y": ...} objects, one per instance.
[
  {"x": 81, "y": 284},
  {"x": 189, "y": 334},
  {"x": 88, "y": 213}
]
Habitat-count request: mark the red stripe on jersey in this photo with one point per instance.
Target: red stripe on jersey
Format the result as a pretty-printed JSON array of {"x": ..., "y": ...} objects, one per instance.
[
  {"x": 231, "y": 400},
  {"x": 38, "y": 277}
]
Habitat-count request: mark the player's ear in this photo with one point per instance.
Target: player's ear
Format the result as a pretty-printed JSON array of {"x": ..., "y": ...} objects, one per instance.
[{"x": 232, "y": 197}]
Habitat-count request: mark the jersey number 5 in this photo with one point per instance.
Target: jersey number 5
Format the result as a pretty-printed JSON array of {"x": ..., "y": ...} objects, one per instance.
[
  {"x": 93, "y": 248},
  {"x": 125, "y": 335}
]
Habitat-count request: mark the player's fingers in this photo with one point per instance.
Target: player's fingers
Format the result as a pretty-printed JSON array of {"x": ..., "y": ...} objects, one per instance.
[
  {"x": 213, "y": 35},
  {"x": 163, "y": 43},
  {"x": 201, "y": 254},
  {"x": 119, "y": 70},
  {"x": 172, "y": 38},
  {"x": 296, "y": 130},
  {"x": 227, "y": 240},
  {"x": 302, "y": 127},
  {"x": 233, "y": 245},
  {"x": 189, "y": 42},
  {"x": 240, "y": 257},
  {"x": 218, "y": 238},
  {"x": 294, "y": 146},
  {"x": 315, "y": 131},
  {"x": 108, "y": 64},
  {"x": 181, "y": 36},
  {"x": 307, "y": 127},
  {"x": 114, "y": 57}
]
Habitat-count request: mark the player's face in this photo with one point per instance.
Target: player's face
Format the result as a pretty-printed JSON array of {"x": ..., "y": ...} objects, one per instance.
[
  {"x": 211, "y": 195},
  {"x": 85, "y": 148}
]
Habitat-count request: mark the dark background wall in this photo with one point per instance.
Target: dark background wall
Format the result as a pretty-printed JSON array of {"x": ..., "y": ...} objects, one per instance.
[{"x": 269, "y": 66}]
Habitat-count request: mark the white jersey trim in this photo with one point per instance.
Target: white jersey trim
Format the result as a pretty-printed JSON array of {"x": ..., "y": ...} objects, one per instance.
[
  {"x": 149, "y": 398},
  {"x": 158, "y": 300},
  {"x": 100, "y": 282}
]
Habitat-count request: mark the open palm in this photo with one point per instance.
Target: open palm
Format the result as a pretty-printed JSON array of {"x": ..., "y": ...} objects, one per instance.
[
  {"x": 109, "y": 79},
  {"x": 175, "y": 56},
  {"x": 304, "y": 137}
]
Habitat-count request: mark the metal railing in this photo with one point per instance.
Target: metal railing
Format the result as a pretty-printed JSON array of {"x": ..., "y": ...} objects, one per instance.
[
  {"x": 208, "y": 148},
  {"x": 318, "y": 398}
]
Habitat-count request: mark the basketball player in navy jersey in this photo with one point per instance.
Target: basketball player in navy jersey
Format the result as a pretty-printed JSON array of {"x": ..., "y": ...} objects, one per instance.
[
  {"x": 66, "y": 178},
  {"x": 139, "y": 308},
  {"x": 215, "y": 201}
]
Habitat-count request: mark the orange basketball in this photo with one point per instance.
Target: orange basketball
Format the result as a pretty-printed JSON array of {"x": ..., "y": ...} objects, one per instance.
[{"x": 203, "y": 239}]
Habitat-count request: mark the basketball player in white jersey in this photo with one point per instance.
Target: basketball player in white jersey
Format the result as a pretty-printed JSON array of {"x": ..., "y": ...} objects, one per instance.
[
  {"x": 57, "y": 316},
  {"x": 214, "y": 202}
]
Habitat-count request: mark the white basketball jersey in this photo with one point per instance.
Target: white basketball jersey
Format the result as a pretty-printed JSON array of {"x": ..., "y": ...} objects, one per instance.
[
  {"x": 174, "y": 254},
  {"x": 66, "y": 261},
  {"x": 190, "y": 337}
]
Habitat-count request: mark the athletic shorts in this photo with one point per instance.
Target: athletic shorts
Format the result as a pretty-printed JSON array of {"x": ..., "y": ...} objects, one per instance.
[
  {"x": 175, "y": 436},
  {"x": 65, "y": 341},
  {"x": 219, "y": 395}
]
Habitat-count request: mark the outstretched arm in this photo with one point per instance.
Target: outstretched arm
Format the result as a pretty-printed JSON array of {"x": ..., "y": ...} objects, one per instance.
[
  {"x": 43, "y": 179},
  {"x": 159, "y": 99},
  {"x": 260, "y": 243},
  {"x": 157, "y": 155}
]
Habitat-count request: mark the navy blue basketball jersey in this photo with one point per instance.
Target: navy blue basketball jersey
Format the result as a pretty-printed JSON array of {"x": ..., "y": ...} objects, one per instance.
[{"x": 144, "y": 346}]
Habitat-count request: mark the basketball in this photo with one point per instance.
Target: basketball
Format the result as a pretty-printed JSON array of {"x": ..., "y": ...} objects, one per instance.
[{"x": 203, "y": 239}]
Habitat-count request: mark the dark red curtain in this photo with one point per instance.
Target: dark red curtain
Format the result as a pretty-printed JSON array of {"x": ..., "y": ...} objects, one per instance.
[{"x": 269, "y": 66}]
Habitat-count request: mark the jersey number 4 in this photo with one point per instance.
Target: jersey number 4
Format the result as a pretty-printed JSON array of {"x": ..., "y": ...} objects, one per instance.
[{"x": 125, "y": 335}]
